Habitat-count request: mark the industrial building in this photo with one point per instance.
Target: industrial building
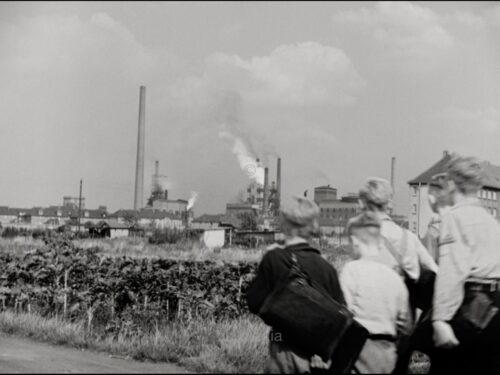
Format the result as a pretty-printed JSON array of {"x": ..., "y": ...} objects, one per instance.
[
  {"x": 335, "y": 212},
  {"x": 420, "y": 211},
  {"x": 49, "y": 217},
  {"x": 263, "y": 201}
]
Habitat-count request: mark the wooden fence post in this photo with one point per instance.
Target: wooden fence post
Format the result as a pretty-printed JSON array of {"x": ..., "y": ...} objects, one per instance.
[{"x": 65, "y": 293}]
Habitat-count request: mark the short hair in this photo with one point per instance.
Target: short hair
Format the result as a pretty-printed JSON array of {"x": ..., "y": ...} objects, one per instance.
[
  {"x": 301, "y": 215},
  {"x": 467, "y": 173},
  {"x": 376, "y": 193},
  {"x": 366, "y": 220}
]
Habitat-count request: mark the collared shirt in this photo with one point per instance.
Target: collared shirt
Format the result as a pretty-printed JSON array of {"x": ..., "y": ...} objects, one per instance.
[
  {"x": 376, "y": 296},
  {"x": 469, "y": 248},
  {"x": 431, "y": 238},
  {"x": 412, "y": 252}
]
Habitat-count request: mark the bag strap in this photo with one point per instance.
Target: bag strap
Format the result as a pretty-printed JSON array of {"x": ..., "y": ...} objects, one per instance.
[
  {"x": 394, "y": 252},
  {"x": 297, "y": 269}
]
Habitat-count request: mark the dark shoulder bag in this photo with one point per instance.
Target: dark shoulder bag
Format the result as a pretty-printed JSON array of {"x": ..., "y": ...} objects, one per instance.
[{"x": 312, "y": 320}]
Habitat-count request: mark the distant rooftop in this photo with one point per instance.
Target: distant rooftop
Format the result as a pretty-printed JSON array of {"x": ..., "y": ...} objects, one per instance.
[{"x": 491, "y": 178}]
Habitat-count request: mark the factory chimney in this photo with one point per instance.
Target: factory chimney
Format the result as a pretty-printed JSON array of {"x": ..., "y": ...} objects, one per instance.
[
  {"x": 265, "y": 202},
  {"x": 393, "y": 166},
  {"x": 157, "y": 167},
  {"x": 139, "y": 168},
  {"x": 393, "y": 170},
  {"x": 278, "y": 184}
]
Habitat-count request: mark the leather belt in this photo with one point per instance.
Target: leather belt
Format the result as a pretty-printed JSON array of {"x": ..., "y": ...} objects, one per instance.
[
  {"x": 384, "y": 337},
  {"x": 485, "y": 286}
]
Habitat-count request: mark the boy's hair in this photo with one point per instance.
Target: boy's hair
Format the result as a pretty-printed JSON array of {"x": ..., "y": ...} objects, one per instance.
[
  {"x": 467, "y": 173},
  {"x": 376, "y": 194},
  {"x": 365, "y": 227},
  {"x": 300, "y": 216}
]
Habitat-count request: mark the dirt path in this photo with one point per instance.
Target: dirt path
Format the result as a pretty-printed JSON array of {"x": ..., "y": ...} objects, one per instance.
[{"x": 21, "y": 355}]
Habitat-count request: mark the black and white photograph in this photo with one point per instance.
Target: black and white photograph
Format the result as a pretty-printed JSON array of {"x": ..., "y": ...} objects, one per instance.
[{"x": 249, "y": 187}]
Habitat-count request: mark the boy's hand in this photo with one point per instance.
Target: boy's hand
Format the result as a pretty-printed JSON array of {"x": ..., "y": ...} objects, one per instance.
[
  {"x": 317, "y": 362},
  {"x": 444, "y": 337}
]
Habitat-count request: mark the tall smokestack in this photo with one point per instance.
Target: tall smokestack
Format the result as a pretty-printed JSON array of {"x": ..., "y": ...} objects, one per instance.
[
  {"x": 393, "y": 170},
  {"x": 139, "y": 167},
  {"x": 157, "y": 167},
  {"x": 266, "y": 190},
  {"x": 393, "y": 166},
  {"x": 278, "y": 184}
]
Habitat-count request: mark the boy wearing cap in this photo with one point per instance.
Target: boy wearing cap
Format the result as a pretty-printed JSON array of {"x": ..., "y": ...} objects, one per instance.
[
  {"x": 376, "y": 295},
  {"x": 299, "y": 221}
]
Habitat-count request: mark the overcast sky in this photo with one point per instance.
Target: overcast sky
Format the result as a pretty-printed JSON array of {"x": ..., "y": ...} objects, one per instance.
[{"x": 335, "y": 89}]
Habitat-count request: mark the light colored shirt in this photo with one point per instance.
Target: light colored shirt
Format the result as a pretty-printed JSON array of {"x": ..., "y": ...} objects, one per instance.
[
  {"x": 469, "y": 248},
  {"x": 376, "y": 296},
  {"x": 431, "y": 239},
  {"x": 412, "y": 252}
]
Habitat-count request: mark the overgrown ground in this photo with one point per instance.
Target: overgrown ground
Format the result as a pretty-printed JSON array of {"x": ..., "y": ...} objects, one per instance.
[{"x": 227, "y": 346}]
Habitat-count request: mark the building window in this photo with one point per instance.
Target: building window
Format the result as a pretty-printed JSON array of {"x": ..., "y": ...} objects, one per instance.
[
  {"x": 414, "y": 227},
  {"x": 414, "y": 209},
  {"x": 86, "y": 214},
  {"x": 40, "y": 212},
  {"x": 495, "y": 195},
  {"x": 414, "y": 191}
]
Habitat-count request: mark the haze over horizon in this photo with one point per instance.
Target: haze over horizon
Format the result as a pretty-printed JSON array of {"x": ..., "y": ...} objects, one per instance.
[{"x": 334, "y": 89}]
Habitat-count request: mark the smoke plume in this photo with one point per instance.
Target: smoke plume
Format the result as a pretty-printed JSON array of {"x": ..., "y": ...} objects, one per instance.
[{"x": 192, "y": 199}]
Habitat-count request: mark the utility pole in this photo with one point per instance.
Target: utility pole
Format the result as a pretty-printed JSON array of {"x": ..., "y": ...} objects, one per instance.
[{"x": 80, "y": 205}]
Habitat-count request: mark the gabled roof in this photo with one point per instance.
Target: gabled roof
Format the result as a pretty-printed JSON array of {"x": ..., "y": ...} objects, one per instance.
[
  {"x": 439, "y": 167},
  {"x": 492, "y": 176},
  {"x": 491, "y": 173},
  {"x": 230, "y": 220}
]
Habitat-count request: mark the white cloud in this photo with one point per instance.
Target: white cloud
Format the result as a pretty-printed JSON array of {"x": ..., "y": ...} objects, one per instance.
[
  {"x": 73, "y": 45},
  {"x": 406, "y": 33},
  {"x": 299, "y": 75}
]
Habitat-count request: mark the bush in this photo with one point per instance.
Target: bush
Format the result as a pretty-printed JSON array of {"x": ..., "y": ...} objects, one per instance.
[
  {"x": 11, "y": 232},
  {"x": 171, "y": 236}
]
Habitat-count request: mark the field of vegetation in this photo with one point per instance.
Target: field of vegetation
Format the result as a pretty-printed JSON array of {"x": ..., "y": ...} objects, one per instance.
[{"x": 173, "y": 303}]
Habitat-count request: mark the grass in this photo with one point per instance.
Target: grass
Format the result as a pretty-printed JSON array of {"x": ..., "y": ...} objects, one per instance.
[
  {"x": 19, "y": 245},
  {"x": 189, "y": 250},
  {"x": 238, "y": 345},
  {"x": 232, "y": 346}
]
